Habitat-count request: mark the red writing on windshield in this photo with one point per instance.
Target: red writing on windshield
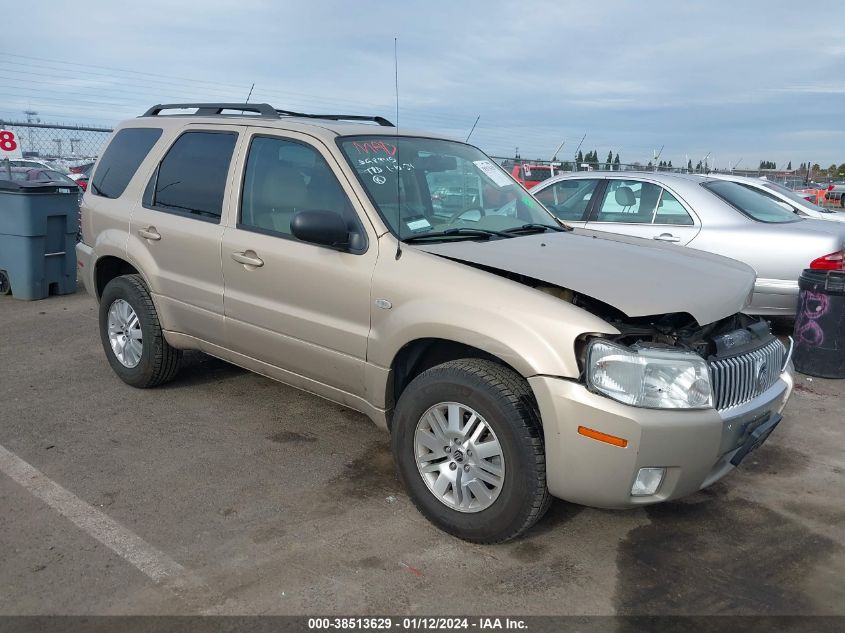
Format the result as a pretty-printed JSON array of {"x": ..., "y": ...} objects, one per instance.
[{"x": 375, "y": 147}]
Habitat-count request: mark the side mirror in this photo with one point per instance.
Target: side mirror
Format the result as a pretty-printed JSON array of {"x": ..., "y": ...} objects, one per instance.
[{"x": 321, "y": 227}]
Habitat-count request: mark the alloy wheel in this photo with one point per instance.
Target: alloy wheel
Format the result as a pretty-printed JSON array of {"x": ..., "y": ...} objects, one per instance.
[{"x": 459, "y": 457}]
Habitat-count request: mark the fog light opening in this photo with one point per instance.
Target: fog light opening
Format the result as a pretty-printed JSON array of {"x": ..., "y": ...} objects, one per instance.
[{"x": 647, "y": 482}]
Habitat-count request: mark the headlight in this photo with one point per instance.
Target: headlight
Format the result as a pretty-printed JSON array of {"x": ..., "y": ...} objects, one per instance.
[{"x": 653, "y": 378}]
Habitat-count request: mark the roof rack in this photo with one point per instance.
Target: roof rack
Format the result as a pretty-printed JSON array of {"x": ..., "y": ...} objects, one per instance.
[
  {"x": 264, "y": 110},
  {"x": 214, "y": 109},
  {"x": 339, "y": 117}
]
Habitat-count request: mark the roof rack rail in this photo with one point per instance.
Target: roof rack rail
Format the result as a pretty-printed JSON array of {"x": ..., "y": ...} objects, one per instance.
[
  {"x": 264, "y": 110},
  {"x": 212, "y": 109},
  {"x": 339, "y": 117}
]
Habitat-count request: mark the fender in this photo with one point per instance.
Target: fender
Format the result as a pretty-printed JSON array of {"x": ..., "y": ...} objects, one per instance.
[{"x": 530, "y": 330}]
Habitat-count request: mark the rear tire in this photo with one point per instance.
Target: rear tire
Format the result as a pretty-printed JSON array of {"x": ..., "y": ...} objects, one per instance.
[
  {"x": 131, "y": 334},
  {"x": 483, "y": 392},
  {"x": 5, "y": 284}
]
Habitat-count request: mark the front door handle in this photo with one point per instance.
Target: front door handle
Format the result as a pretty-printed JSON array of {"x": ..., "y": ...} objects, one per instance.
[
  {"x": 248, "y": 258},
  {"x": 666, "y": 237},
  {"x": 150, "y": 233}
]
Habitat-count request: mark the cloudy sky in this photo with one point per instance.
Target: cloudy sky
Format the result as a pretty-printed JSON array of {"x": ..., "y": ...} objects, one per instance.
[{"x": 738, "y": 80}]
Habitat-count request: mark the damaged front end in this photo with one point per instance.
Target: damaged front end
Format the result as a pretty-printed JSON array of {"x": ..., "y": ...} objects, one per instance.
[{"x": 670, "y": 361}]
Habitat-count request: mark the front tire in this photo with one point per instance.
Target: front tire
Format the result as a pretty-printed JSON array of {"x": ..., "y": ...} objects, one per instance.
[
  {"x": 131, "y": 334},
  {"x": 468, "y": 444}
]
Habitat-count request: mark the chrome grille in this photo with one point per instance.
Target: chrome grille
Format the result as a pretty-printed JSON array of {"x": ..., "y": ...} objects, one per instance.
[{"x": 742, "y": 378}]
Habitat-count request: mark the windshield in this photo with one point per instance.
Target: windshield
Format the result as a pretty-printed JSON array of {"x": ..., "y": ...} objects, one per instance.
[
  {"x": 422, "y": 186},
  {"x": 756, "y": 205},
  {"x": 788, "y": 193}
]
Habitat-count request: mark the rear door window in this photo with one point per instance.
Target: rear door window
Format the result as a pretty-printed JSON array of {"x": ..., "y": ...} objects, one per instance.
[
  {"x": 191, "y": 179},
  {"x": 629, "y": 202},
  {"x": 120, "y": 161}
]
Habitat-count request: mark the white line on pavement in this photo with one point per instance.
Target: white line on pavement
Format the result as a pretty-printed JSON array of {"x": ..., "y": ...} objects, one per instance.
[{"x": 122, "y": 541}]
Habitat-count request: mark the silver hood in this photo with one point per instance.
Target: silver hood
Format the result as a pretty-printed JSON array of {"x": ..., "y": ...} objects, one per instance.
[{"x": 636, "y": 276}]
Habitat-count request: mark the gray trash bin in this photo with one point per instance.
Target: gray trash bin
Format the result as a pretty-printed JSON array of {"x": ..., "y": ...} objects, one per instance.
[{"x": 38, "y": 227}]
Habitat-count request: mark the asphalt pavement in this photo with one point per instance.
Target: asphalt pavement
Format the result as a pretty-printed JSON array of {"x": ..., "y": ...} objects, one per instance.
[{"x": 226, "y": 492}]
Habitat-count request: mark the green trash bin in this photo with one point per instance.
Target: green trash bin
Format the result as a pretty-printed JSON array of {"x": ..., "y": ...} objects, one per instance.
[{"x": 38, "y": 226}]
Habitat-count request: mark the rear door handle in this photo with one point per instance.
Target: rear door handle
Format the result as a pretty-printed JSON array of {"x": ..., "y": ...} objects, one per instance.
[
  {"x": 150, "y": 233},
  {"x": 248, "y": 258},
  {"x": 666, "y": 237}
]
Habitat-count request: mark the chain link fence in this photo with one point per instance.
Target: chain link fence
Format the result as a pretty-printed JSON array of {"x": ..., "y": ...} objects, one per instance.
[
  {"x": 58, "y": 145},
  {"x": 65, "y": 146}
]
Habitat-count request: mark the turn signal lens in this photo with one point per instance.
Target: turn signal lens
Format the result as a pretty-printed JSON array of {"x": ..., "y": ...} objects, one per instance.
[{"x": 602, "y": 437}]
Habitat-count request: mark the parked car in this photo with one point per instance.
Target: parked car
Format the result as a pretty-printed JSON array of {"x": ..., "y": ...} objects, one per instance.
[
  {"x": 28, "y": 162},
  {"x": 36, "y": 174},
  {"x": 510, "y": 359},
  {"x": 786, "y": 197},
  {"x": 835, "y": 193},
  {"x": 81, "y": 174},
  {"x": 708, "y": 214},
  {"x": 530, "y": 174}
]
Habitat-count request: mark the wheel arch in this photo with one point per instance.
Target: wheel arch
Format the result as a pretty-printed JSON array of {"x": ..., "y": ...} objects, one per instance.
[
  {"x": 421, "y": 354},
  {"x": 107, "y": 268}
]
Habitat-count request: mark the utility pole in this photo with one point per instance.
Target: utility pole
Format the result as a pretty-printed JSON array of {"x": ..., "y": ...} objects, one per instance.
[
  {"x": 557, "y": 151},
  {"x": 58, "y": 143},
  {"x": 73, "y": 143},
  {"x": 30, "y": 118},
  {"x": 575, "y": 155},
  {"x": 657, "y": 155}
]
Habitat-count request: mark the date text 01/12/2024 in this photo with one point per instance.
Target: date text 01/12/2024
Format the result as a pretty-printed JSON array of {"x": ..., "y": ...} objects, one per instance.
[{"x": 421, "y": 623}]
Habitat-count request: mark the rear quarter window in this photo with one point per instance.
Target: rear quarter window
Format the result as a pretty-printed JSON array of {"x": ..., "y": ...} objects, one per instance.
[
  {"x": 756, "y": 205},
  {"x": 120, "y": 161},
  {"x": 191, "y": 178}
]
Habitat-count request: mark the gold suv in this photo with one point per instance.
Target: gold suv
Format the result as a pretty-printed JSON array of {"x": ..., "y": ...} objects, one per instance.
[{"x": 410, "y": 278}]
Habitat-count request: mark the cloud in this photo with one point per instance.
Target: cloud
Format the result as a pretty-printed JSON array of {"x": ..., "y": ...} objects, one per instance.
[{"x": 724, "y": 77}]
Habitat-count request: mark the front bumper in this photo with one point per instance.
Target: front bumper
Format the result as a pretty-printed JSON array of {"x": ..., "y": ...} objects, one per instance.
[
  {"x": 695, "y": 447},
  {"x": 85, "y": 267}
]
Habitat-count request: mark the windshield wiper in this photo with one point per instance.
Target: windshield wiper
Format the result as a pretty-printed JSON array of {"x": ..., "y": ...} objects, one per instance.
[
  {"x": 539, "y": 228},
  {"x": 457, "y": 231}
]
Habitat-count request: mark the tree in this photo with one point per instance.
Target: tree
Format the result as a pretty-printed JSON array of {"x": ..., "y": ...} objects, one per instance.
[
  {"x": 580, "y": 158},
  {"x": 698, "y": 167},
  {"x": 616, "y": 160},
  {"x": 609, "y": 163},
  {"x": 789, "y": 166},
  {"x": 841, "y": 169},
  {"x": 670, "y": 165},
  {"x": 689, "y": 165}
]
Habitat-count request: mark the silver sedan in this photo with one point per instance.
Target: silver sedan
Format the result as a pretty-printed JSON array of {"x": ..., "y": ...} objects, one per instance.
[{"x": 704, "y": 213}]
